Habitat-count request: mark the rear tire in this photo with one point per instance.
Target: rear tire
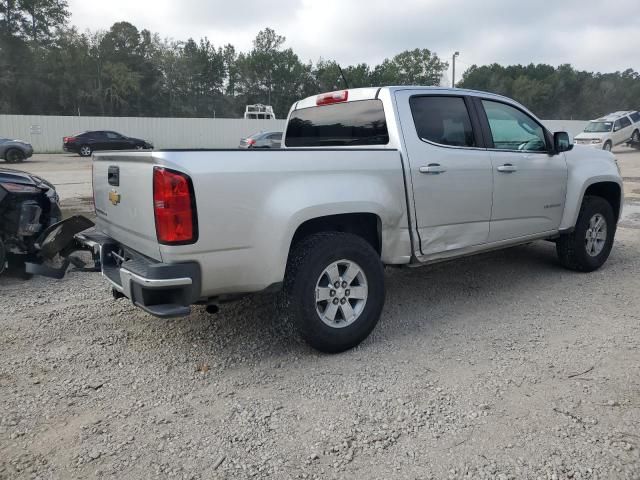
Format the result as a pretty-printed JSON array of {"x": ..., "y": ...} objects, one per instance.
[
  {"x": 14, "y": 155},
  {"x": 85, "y": 151},
  {"x": 588, "y": 246},
  {"x": 350, "y": 310},
  {"x": 635, "y": 136}
]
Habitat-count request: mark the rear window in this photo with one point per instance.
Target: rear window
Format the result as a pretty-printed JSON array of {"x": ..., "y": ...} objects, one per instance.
[{"x": 341, "y": 124}]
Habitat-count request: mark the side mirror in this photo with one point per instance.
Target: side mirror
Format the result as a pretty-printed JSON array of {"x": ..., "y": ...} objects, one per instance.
[{"x": 561, "y": 142}]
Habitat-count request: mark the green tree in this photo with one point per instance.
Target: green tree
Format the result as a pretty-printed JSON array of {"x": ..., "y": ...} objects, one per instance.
[
  {"x": 411, "y": 67},
  {"x": 41, "y": 17}
]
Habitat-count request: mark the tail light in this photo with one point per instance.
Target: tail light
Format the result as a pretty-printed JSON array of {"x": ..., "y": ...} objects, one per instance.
[
  {"x": 68, "y": 139},
  {"x": 332, "y": 97},
  {"x": 20, "y": 188},
  {"x": 174, "y": 207},
  {"x": 251, "y": 141}
]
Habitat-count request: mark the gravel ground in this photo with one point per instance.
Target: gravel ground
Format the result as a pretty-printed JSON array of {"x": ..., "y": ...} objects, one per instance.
[{"x": 502, "y": 365}]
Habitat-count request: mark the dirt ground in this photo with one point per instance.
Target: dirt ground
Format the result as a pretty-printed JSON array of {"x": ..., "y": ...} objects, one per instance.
[{"x": 502, "y": 365}]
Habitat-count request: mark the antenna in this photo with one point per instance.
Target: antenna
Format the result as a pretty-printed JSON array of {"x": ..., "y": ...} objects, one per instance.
[{"x": 344, "y": 79}]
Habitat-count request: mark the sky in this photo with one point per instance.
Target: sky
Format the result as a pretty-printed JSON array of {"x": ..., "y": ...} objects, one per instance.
[{"x": 594, "y": 35}]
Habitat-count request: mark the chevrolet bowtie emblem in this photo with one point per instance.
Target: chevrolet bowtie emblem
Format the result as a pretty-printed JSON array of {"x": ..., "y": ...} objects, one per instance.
[{"x": 114, "y": 197}]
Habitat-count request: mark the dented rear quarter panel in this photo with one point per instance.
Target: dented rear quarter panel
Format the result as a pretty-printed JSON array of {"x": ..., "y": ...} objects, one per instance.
[{"x": 251, "y": 203}]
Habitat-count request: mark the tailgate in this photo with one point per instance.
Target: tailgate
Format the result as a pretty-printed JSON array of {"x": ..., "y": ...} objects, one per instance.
[{"x": 123, "y": 196}]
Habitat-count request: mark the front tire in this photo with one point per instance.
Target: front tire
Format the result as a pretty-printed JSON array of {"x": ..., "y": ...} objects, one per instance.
[
  {"x": 14, "y": 155},
  {"x": 607, "y": 146},
  {"x": 588, "y": 246},
  {"x": 334, "y": 290}
]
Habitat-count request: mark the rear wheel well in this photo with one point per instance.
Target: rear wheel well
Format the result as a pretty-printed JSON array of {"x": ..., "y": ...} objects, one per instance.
[
  {"x": 610, "y": 191},
  {"x": 364, "y": 225}
]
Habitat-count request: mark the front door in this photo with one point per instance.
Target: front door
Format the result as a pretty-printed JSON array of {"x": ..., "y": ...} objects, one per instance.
[
  {"x": 626, "y": 129},
  {"x": 117, "y": 141},
  {"x": 450, "y": 171},
  {"x": 529, "y": 184}
]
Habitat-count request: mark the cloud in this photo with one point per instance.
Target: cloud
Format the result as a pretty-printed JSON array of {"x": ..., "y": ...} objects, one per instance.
[{"x": 586, "y": 33}]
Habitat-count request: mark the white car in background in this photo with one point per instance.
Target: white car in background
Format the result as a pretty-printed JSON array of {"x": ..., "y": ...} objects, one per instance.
[{"x": 611, "y": 130}]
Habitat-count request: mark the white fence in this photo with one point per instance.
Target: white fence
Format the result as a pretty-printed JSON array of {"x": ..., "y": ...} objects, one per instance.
[
  {"x": 45, "y": 132},
  {"x": 573, "y": 127}
]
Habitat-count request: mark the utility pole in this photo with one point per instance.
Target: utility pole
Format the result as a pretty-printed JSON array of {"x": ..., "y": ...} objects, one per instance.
[{"x": 453, "y": 71}]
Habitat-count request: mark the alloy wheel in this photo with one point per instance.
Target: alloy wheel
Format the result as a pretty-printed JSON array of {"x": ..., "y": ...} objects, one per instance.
[
  {"x": 596, "y": 235},
  {"x": 341, "y": 293}
]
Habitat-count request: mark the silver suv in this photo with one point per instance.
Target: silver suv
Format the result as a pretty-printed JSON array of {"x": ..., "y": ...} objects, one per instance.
[{"x": 611, "y": 130}]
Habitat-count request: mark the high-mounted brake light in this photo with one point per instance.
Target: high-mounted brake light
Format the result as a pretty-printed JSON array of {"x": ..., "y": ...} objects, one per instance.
[
  {"x": 174, "y": 207},
  {"x": 332, "y": 97}
]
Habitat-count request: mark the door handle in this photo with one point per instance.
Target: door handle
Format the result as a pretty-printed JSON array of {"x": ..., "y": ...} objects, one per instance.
[
  {"x": 433, "y": 169},
  {"x": 507, "y": 168}
]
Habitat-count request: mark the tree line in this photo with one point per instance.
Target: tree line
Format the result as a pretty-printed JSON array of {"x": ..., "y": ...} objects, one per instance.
[{"x": 48, "y": 67}]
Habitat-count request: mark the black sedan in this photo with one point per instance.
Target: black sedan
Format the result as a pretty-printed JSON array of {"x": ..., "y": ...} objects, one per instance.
[{"x": 88, "y": 142}]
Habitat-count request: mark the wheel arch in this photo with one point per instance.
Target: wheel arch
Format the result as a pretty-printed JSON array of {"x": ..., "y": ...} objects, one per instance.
[
  {"x": 600, "y": 177},
  {"x": 610, "y": 191},
  {"x": 366, "y": 225}
]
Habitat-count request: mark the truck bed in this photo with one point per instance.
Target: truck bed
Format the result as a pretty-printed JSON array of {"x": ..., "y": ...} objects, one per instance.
[{"x": 249, "y": 205}]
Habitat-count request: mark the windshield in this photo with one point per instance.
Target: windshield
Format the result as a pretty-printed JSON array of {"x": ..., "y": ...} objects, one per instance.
[{"x": 599, "y": 127}]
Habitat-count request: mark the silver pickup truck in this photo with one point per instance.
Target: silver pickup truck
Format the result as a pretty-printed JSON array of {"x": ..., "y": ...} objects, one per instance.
[{"x": 366, "y": 178}]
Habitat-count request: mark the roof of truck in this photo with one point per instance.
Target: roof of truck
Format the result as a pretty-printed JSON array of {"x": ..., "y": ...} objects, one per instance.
[{"x": 369, "y": 93}]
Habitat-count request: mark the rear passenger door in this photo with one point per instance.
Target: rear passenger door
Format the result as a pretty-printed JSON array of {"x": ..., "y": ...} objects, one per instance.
[{"x": 450, "y": 171}]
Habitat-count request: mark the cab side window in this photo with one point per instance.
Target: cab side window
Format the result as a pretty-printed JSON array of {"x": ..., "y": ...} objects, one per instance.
[
  {"x": 617, "y": 125},
  {"x": 443, "y": 120},
  {"x": 512, "y": 129}
]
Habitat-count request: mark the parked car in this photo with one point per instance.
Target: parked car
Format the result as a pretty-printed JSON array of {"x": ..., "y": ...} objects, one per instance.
[
  {"x": 404, "y": 176},
  {"x": 28, "y": 205},
  {"x": 611, "y": 130},
  {"x": 86, "y": 143},
  {"x": 15, "y": 151},
  {"x": 262, "y": 140}
]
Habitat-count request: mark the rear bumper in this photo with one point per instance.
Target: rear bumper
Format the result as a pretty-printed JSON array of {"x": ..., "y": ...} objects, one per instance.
[{"x": 161, "y": 289}]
